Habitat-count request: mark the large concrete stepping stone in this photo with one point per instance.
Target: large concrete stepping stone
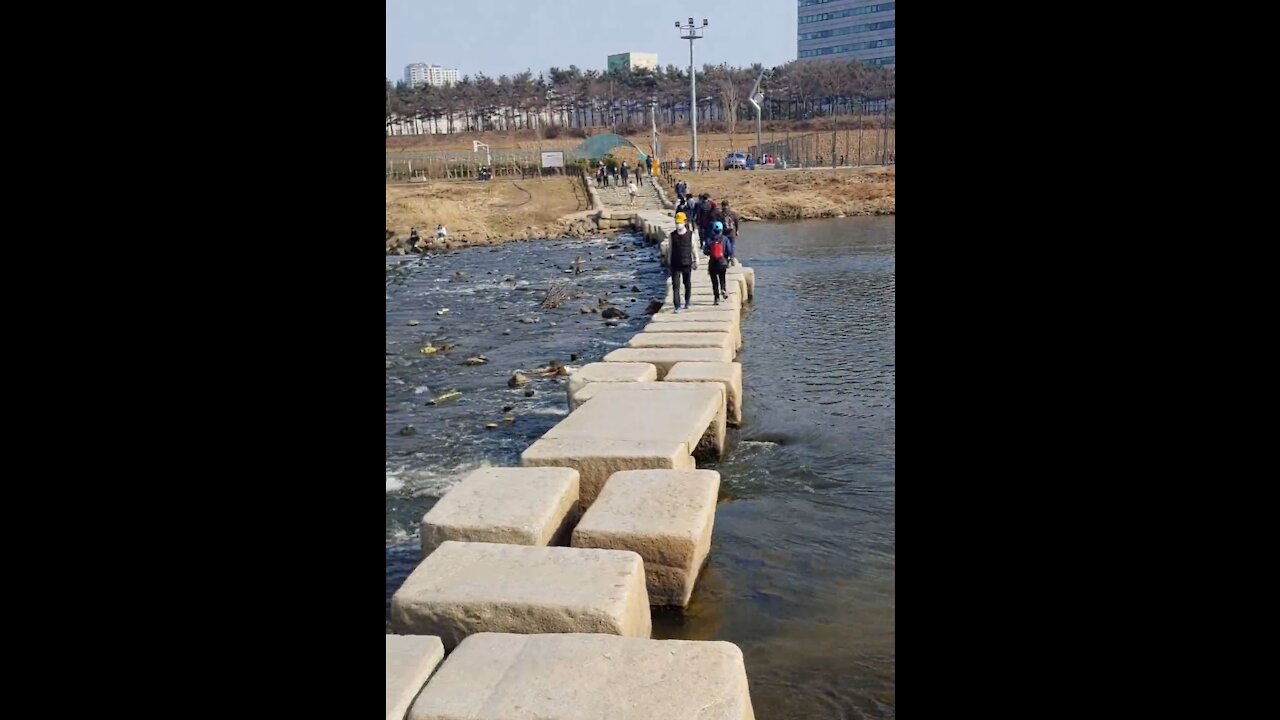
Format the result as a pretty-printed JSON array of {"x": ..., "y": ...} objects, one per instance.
[
  {"x": 704, "y": 302},
  {"x": 696, "y": 326},
  {"x": 495, "y": 676},
  {"x": 747, "y": 274},
  {"x": 664, "y": 515},
  {"x": 709, "y": 445},
  {"x": 664, "y": 358},
  {"x": 633, "y": 426},
  {"x": 712, "y": 314},
  {"x": 729, "y": 374},
  {"x": 608, "y": 372},
  {"x": 467, "y": 587},
  {"x": 683, "y": 340},
  {"x": 596, "y": 459},
  {"x": 410, "y": 660},
  {"x": 517, "y": 506}
]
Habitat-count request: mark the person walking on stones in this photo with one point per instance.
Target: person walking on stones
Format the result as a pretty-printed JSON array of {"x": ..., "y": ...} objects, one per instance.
[
  {"x": 683, "y": 207},
  {"x": 731, "y": 221},
  {"x": 683, "y": 261},
  {"x": 413, "y": 238},
  {"x": 719, "y": 249},
  {"x": 624, "y": 171},
  {"x": 631, "y": 190},
  {"x": 681, "y": 187}
]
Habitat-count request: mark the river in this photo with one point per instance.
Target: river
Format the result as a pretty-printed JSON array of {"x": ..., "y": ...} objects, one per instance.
[{"x": 801, "y": 570}]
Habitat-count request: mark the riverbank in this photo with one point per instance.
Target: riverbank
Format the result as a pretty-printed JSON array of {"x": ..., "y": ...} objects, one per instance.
[
  {"x": 501, "y": 210},
  {"x": 485, "y": 213},
  {"x": 799, "y": 194}
]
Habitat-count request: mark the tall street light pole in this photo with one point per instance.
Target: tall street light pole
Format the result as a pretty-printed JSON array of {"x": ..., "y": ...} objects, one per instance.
[{"x": 692, "y": 32}]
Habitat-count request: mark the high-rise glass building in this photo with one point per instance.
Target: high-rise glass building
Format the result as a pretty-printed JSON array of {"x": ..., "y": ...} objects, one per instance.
[{"x": 847, "y": 30}]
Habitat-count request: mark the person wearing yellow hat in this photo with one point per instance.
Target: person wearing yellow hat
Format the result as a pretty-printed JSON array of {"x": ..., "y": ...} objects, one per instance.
[{"x": 683, "y": 261}]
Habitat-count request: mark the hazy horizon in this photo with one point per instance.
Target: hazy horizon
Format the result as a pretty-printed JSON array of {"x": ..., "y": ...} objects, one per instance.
[{"x": 739, "y": 34}]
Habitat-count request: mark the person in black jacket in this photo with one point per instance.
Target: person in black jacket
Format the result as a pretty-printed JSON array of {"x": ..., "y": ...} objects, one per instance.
[{"x": 683, "y": 260}]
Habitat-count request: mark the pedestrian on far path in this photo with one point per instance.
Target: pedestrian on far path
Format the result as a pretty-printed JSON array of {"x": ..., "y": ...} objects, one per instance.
[
  {"x": 631, "y": 190},
  {"x": 682, "y": 206},
  {"x": 624, "y": 171},
  {"x": 681, "y": 187}
]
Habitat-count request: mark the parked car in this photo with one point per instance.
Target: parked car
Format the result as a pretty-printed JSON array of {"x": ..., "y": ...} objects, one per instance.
[{"x": 735, "y": 159}]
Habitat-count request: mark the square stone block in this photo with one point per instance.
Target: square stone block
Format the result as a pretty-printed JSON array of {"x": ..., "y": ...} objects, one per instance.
[
  {"x": 597, "y": 458},
  {"x": 730, "y": 374},
  {"x": 700, "y": 326},
  {"x": 664, "y": 358},
  {"x": 683, "y": 340},
  {"x": 494, "y": 676},
  {"x": 711, "y": 314},
  {"x": 467, "y": 587},
  {"x": 410, "y": 661},
  {"x": 664, "y": 515},
  {"x": 608, "y": 372},
  {"x": 517, "y": 505},
  {"x": 747, "y": 274},
  {"x": 705, "y": 439}
]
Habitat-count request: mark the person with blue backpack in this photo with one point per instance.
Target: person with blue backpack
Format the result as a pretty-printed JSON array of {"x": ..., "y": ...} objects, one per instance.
[{"x": 718, "y": 247}]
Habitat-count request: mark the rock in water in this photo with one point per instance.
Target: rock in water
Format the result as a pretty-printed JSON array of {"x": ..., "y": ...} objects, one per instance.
[
  {"x": 475, "y": 360},
  {"x": 528, "y": 392},
  {"x": 612, "y": 323},
  {"x": 584, "y": 309},
  {"x": 517, "y": 380},
  {"x": 411, "y": 323},
  {"x": 530, "y": 320},
  {"x": 611, "y": 313},
  {"x": 654, "y": 306},
  {"x": 442, "y": 311},
  {"x": 408, "y": 430}
]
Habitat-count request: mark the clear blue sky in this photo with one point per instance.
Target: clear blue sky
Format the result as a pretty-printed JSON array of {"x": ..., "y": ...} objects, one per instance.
[{"x": 500, "y": 37}]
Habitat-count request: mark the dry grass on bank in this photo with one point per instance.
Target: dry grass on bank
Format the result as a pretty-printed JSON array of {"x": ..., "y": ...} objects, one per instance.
[
  {"x": 796, "y": 194},
  {"x": 497, "y": 209}
]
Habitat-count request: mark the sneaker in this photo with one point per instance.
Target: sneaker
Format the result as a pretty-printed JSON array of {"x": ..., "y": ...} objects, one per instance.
[
  {"x": 716, "y": 301},
  {"x": 677, "y": 311}
]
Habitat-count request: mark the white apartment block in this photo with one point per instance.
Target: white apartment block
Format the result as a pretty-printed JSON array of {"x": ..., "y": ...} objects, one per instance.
[{"x": 417, "y": 74}]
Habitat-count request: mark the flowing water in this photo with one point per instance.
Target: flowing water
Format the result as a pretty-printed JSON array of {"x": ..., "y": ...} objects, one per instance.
[{"x": 801, "y": 570}]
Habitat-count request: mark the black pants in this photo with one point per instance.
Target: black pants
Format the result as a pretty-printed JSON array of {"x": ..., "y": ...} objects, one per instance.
[
  {"x": 676, "y": 274},
  {"x": 718, "y": 270}
]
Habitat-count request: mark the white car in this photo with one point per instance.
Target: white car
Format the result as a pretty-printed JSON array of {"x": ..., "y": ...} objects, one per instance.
[{"x": 735, "y": 159}]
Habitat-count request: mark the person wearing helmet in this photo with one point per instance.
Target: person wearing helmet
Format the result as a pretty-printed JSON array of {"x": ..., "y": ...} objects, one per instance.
[
  {"x": 683, "y": 260},
  {"x": 718, "y": 248}
]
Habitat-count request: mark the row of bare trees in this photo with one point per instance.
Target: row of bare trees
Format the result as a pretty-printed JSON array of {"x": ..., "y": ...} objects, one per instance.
[{"x": 620, "y": 99}]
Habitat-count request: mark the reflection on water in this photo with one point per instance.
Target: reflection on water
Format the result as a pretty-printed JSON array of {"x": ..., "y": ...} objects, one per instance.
[{"x": 801, "y": 571}]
